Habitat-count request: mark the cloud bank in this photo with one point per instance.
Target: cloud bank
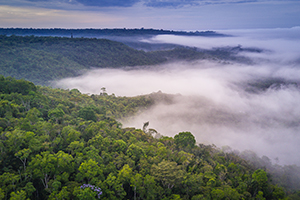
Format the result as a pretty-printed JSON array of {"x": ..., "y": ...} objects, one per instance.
[
  {"x": 221, "y": 104},
  {"x": 128, "y": 3},
  {"x": 158, "y": 14}
]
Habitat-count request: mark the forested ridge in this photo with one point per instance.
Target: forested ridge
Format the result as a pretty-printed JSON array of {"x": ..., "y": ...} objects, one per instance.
[
  {"x": 61, "y": 144},
  {"x": 42, "y": 59},
  {"x": 45, "y": 59},
  {"x": 100, "y": 32}
]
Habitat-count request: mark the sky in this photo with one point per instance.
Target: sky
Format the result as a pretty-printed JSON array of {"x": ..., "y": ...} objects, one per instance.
[{"x": 157, "y": 14}]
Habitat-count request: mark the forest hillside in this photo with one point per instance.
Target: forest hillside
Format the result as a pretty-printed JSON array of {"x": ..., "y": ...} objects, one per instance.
[
  {"x": 45, "y": 59},
  {"x": 61, "y": 144}
]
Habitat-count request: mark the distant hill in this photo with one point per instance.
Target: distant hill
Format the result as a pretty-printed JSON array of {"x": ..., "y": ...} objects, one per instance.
[
  {"x": 102, "y": 32},
  {"x": 43, "y": 59},
  {"x": 131, "y": 37}
]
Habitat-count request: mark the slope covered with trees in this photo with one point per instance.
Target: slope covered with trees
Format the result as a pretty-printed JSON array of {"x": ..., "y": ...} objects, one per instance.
[
  {"x": 61, "y": 144},
  {"x": 102, "y": 32},
  {"x": 44, "y": 59}
]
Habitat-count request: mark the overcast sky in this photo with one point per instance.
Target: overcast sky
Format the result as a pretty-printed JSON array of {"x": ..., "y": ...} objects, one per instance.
[{"x": 158, "y": 14}]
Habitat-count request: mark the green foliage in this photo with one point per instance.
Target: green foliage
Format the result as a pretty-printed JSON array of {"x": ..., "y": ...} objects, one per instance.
[
  {"x": 88, "y": 170},
  {"x": 85, "y": 194},
  {"x": 10, "y": 85},
  {"x": 184, "y": 140},
  {"x": 56, "y": 114},
  {"x": 43, "y": 59},
  {"x": 294, "y": 196},
  {"x": 19, "y": 195},
  {"x": 168, "y": 173},
  {"x": 135, "y": 152},
  {"x": 49, "y": 147},
  {"x": 260, "y": 178},
  {"x": 2, "y": 195},
  {"x": 87, "y": 113},
  {"x": 61, "y": 195},
  {"x": 113, "y": 188}
]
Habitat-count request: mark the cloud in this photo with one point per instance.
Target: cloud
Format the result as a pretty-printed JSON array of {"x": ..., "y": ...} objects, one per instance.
[
  {"x": 46, "y": 4},
  {"x": 73, "y": 4},
  {"x": 179, "y": 3},
  {"x": 167, "y": 14},
  {"x": 109, "y": 3},
  {"x": 223, "y": 104},
  {"x": 171, "y": 3},
  {"x": 281, "y": 44},
  {"x": 48, "y": 18},
  {"x": 127, "y": 3},
  {"x": 214, "y": 104}
]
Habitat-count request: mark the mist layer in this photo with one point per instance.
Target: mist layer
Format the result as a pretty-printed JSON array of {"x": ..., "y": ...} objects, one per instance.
[{"x": 252, "y": 107}]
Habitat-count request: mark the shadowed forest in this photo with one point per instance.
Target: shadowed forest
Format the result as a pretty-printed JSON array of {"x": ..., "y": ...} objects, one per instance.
[{"x": 44, "y": 59}]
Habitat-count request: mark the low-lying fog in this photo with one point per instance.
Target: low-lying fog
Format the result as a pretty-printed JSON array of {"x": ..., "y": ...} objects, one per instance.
[{"x": 217, "y": 104}]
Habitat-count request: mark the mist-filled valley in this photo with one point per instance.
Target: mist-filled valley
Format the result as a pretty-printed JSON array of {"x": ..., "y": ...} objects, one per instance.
[
  {"x": 177, "y": 115},
  {"x": 149, "y": 100},
  {"x": 245, "y": 105}
]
